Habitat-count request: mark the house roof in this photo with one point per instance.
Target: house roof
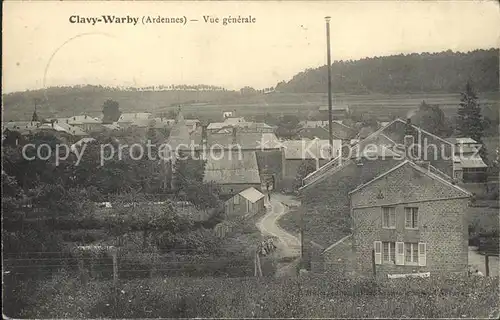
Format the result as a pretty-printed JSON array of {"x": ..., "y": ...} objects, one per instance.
[
  {"x": 461, "y": 140},
  {"x": 245, "y": 140},
  {"x": 81, "y": 142},
  {"x": 251, "y": 194},
  {"x": 310, "y": 149},
  {"x": 131, "y": 117},
  {"x": 418, "y": 168},
  {"x": 335, "y": 108},
  {"x": 112, "y": 126},
  {"x": 234, "y": 120},
  {"x": 471, "y": 162},
  {"x": 20, "y": 125},
  {"x": 77, "y": 120},
  {"x": 232, "y": 168},
  {"x": 378, "y": 137}
]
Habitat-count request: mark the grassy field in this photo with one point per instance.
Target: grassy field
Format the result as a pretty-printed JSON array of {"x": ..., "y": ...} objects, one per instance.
[
  {"x": 306, "y": 105},
  {"x": 210, "y": 105}
]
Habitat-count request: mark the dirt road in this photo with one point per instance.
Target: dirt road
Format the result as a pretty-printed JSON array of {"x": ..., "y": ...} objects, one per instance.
[{"x": 288, "y": 245}]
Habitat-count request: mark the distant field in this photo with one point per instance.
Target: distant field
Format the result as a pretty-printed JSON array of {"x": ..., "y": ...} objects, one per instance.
[
  {"x": 304, "y": 105},
  {"x": 210, "y": 105}
]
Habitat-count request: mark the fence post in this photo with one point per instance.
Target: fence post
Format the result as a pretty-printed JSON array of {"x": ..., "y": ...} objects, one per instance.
[
  {"x": 115, "y": 266},
  {"x": 374, "y": 268},
  {"x": 258, "y": 265},
  {"x": 487, "y": 264}
]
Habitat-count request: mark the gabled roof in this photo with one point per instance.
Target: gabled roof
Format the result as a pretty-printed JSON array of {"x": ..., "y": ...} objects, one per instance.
[
  {"x": 310, "y": 149},
  {"x": 251, "y": 194},
  {"x": 377, "y": 135},
  {"x": 235, "y": 167},
  {"x": 77, "y": 120},
  {"x": 418, "y": 168},
  {"x": 461, "y": 140},
  {"x": 131, "y": 117}
]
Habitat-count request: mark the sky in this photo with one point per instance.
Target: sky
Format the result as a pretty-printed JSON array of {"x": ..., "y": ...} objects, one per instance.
[{"x": 41, "y": 48}]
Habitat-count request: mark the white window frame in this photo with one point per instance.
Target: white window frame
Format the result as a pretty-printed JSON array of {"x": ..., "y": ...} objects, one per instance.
[
  {"x": 413, "y": 249},
  {"x": 389, "y": 245},
  {"x": 392, "y": 211},
  {"x": 237, "y": 199},
  {"x": 413, "y": 211}
]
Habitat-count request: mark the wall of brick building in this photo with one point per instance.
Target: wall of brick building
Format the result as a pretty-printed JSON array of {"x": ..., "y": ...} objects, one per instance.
[
  {"x": 326, "y": 204},
  {"x": 442, "y": 223}
]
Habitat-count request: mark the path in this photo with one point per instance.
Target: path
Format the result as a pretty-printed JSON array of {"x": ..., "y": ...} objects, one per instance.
[{"x": 288, "y": 245}]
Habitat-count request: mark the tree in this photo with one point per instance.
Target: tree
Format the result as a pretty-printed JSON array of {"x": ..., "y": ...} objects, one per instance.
[
  {"x": 306, "y": 167},
  {"x": 111, "y": 111},
  {"x": 470, "y": 121},
  {"x": 431, "y": 118}
]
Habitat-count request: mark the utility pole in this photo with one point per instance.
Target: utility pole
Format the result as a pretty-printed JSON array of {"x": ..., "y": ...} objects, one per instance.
[{"x": 329, "y": 63}]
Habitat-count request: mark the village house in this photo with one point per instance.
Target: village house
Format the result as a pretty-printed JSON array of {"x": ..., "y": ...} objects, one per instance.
[
  {"x": 320, "y": 130},
  {"x": 84, "y": 122},
  {"x": 248, "y": 202},
  {"x": 232, "y": 171},
  {"x": 265, "y": 146},
  {"x": 325, "y": 192},
  {"x": 135, "y": 118},
  {"x": 296, "y": 152},
  {"x": 469, "y": 167},
  {"x": 413, "y": 220}
]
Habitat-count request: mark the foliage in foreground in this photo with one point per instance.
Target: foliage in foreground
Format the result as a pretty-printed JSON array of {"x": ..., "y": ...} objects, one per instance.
[{"x": 310, "y": 296}]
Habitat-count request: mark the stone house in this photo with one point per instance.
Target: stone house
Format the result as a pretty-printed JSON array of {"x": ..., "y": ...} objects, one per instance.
[
  {"x": 248, "y": 202},
  {"x": 412, "y": 219},
  {"x": 325, "y": 195}
]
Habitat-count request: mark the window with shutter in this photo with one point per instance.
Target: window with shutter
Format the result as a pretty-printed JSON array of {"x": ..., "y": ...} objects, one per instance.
[
  {"x": 389, "y": 217},
  {"x": 377, "y": 247},
  {"x": 411, "y": 253},
  {"x": 389, "y": 252},
  {"x": 422, "y": 254},
  {"x": 400, "y": 253},
  {"x": 411, "y": 218}
]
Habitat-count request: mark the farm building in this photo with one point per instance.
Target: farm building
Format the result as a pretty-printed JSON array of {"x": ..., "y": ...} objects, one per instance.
[
  {"x": 248, "y": 202},
  {"x": 469, "y": 167},
  {"x": 232, "y": 171}
]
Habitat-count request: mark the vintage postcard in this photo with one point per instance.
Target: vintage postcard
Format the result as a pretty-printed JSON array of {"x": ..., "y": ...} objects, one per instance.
[{"x": 250, "y": 159}]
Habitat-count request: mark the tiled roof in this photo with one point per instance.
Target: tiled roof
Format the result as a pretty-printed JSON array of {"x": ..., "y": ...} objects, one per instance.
[
  {"x": 130, "y": 117},
  {"x": 232, "y": 167},
  {"x": 310, "y": 149},
  {"x": 76, "y": 120}
]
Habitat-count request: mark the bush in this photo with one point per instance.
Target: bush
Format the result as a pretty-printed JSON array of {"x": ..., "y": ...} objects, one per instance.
[{"x": 308, "y": 296}]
